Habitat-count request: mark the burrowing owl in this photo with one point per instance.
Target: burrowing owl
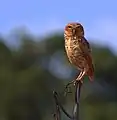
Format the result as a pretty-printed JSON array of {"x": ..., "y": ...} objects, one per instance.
[{"x": 78, "y": 50}]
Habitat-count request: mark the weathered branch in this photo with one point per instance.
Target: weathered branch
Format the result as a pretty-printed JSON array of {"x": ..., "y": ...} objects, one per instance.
[
  {"x": 75, "y": 115},
  {"x": 77, "y": 100},
  {"x": 57, "y": 115},
  {"x": 62, "y": 108}
]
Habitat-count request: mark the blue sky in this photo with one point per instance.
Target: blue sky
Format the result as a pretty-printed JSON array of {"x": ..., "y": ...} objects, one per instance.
[{"x": 41, "y": 17}]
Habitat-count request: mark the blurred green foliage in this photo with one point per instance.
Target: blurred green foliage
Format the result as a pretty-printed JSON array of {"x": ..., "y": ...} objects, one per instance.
[{"x": 30, "y": 72}]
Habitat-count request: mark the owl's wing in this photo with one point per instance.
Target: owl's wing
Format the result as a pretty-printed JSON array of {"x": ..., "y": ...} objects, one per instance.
[{"x": 86, "y": 50}]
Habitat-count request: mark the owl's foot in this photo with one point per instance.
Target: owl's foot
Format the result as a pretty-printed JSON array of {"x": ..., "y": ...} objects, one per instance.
[
  {"x": 78, "y": 81},
  {"x": 70, "y": 83},
  {"x": 80, "y": 77},
  {"x": 74, "y": 82}
]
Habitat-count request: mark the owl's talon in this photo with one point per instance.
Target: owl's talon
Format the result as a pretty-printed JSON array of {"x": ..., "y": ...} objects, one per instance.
[{"x": 79, "y": 81}]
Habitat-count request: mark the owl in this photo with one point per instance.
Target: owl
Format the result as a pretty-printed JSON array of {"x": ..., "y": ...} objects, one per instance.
[{"x": 78, "y": 50}]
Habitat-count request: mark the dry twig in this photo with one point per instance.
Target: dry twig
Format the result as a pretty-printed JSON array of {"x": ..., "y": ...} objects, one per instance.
[{"x": 58, "y": 105}]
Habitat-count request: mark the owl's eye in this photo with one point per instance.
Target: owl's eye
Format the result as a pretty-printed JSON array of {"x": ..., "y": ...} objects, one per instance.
[
  {"x": 70, "y": 27},
  {"x": 78, "y": 26}
]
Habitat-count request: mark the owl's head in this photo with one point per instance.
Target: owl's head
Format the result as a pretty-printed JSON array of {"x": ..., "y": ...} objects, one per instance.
[{"x": 74, "y": 29}]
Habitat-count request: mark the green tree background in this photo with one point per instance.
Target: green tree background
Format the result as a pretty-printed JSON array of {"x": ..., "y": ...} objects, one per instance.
[{"x": 38, "y": 65}]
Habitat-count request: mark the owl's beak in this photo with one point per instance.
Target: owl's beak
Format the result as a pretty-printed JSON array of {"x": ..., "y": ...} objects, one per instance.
[{"x": 74, "y": 31}]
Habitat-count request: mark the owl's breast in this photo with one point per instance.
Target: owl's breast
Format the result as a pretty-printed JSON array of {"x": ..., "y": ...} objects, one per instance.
[
  {"x": 72, "y": 47},
  {"x": 74, "y": 53}
]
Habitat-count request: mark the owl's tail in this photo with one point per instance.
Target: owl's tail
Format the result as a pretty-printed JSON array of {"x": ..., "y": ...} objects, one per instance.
[{"x": 90, "y": 73}]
